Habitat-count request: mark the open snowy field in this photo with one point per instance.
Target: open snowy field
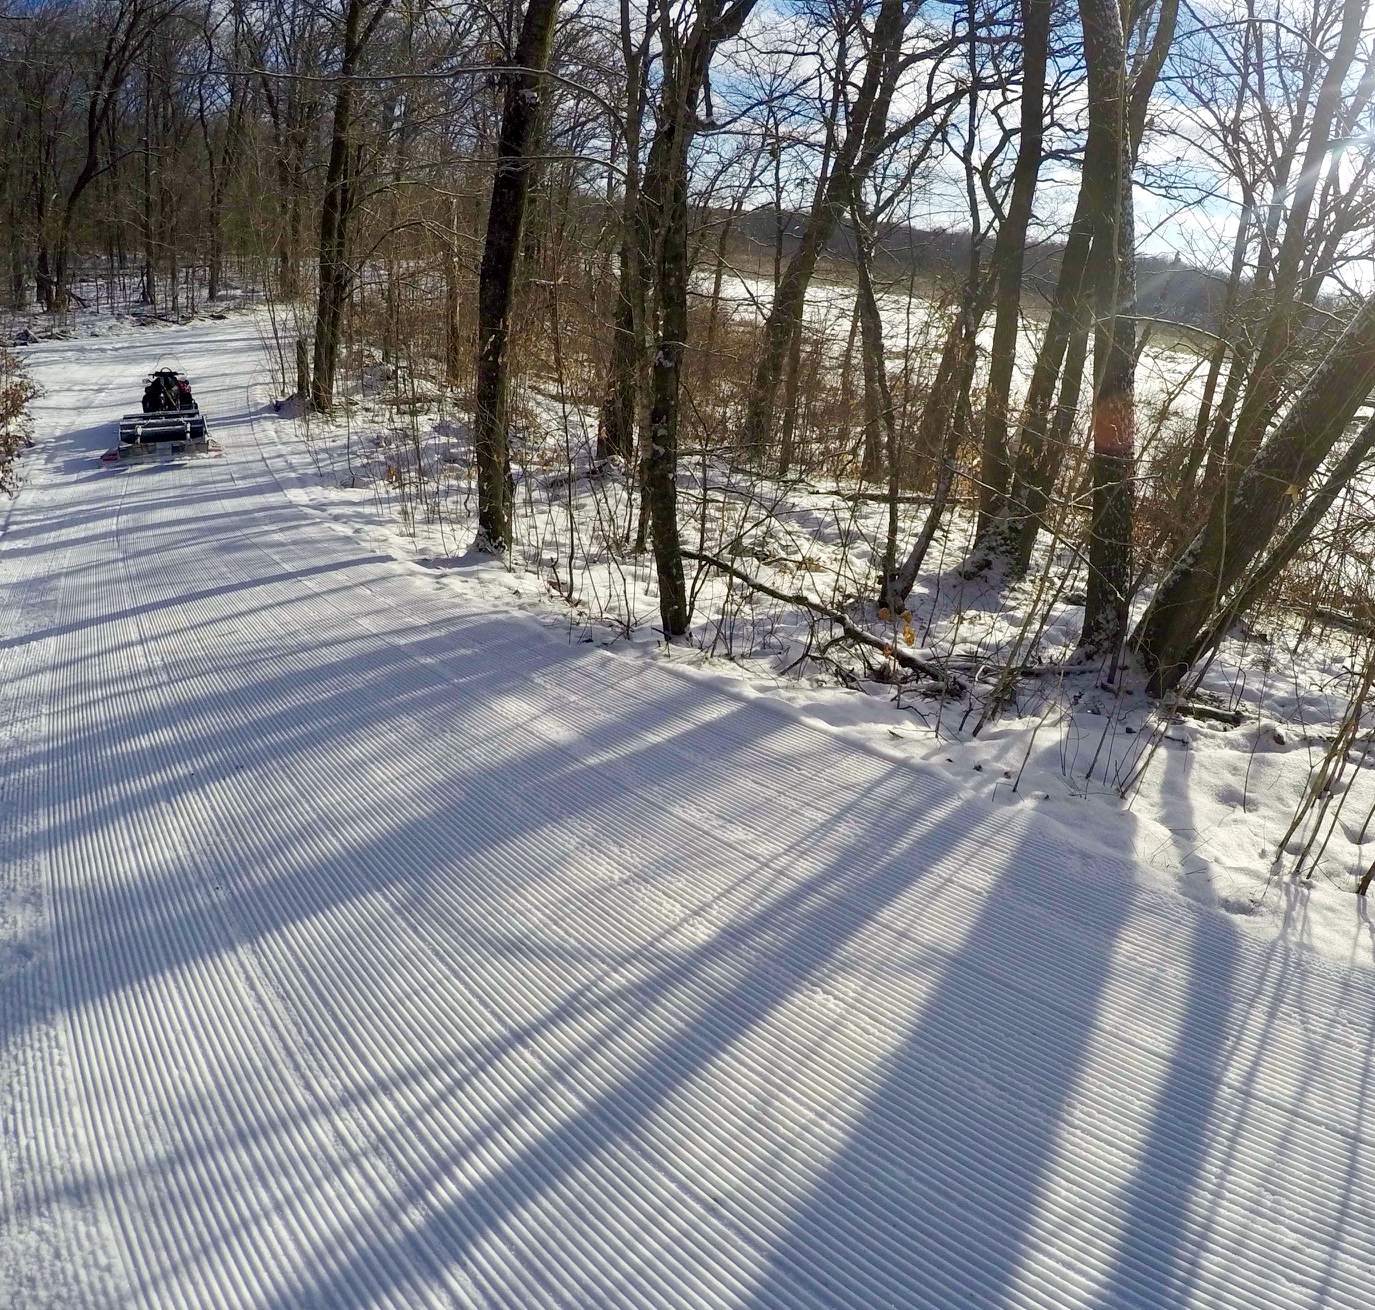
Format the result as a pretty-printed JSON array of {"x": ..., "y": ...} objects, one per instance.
[
  {"x": 375, "y": 932},
  {"x": 1162, "y": 368}
]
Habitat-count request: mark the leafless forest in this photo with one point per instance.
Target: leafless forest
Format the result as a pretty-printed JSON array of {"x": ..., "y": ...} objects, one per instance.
[{"x": 665, "y": 269}]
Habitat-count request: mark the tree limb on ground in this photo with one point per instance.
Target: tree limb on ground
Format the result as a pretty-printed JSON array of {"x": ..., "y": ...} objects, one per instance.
[
  {"x": 1213, "y": 713},
  {"x": 851, "y": 629},
  {"x": 1337, "y": 619}
]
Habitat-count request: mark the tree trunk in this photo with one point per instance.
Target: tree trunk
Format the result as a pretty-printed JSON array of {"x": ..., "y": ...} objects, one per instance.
[
  {"x": 1296, "y": 536},
  {"x": 1009, "y": 260},
  {"x": 1268, "y": 373},
  {"x": 880, "y": 416},
  {"x": 853, "y": 160},
  {"x": 847, "y": 377},
  {"x": 1038, "y": 460},
  {"x": 131, "y": 27},
  {"x": 718, "y": 278},
  {"x": 220, "y": 166},
  {"x": 336, "y": 209},
  {"x": 1112, "y": 279},
  {"x": 149, "y": 233},
  {"x": 1172, "y": 633},
  {"x": 505, "y": 228},
  {"x": 944, "y": 424},
  {"x": 453, "y": 340},
  {"x": 621, "y": 401},
  {"x": 787, "y": 444},
  {"x": 871, "y": 354},
  {"x": 1010, "y": 536},
  {"x": 1114, "y": 447},
  {"x": 661, "y": 463},
  {"x": 1228, "y": 328},
  {"x": 334, "y": 273},
  {"x": 18, "y": 296},
  {"x": 665, "y": 195},
  {"x": 627, "y": 356}
]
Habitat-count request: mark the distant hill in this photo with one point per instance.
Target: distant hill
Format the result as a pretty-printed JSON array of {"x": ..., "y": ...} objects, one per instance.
[{"x": 1166, "y": 289}]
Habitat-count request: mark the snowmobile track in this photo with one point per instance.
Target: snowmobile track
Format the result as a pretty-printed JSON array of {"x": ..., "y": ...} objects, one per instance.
[{"x": 365, "y": 944}]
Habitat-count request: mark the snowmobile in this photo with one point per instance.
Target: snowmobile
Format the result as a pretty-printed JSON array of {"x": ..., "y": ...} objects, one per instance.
[{"x": 169, "y": 423}]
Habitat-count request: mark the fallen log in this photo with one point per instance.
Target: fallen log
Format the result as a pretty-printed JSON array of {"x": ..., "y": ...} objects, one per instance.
[
  {"x": 851, "y": 629},
  {"x": 1214, "y": 713}
]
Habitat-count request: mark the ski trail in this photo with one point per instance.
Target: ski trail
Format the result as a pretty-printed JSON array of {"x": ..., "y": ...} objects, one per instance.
[
  {"x": 365, "y": 944},
  {"x": 54, "y": 1238}
]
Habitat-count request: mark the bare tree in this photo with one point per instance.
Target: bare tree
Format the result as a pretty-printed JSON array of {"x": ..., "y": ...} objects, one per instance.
[
  {"x": 687, "y": 60},
  {"x": 1009, "y": 254},
  {"x": 1266, "y": 374},
  {"x": 1007, "y": 534},
  {"x": 1179, "y": 624},
  {"x": 1107, "y": 183},
  {"x": 867, "y": 135},
  {"x": 361, "y": 20},
  {"x": 121, "y": 35},
  {"x": 623, "y": 384},
  {"x": 505, "y": 223}
]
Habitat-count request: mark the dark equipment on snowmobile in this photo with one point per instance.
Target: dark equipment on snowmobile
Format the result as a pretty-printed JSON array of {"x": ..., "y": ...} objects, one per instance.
[
  {"x": 170, "y": 423},
  {"x": 167, "y": 392}
]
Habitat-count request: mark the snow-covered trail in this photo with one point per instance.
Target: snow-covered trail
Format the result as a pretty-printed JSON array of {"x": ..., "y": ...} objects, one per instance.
[{"x": 364, "y": 943}]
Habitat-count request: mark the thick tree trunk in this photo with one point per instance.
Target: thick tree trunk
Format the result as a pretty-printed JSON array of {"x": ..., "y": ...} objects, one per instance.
[
  {"x": 627, "y": 357},
  {"x": 44, "y": 282},
  {"x": 505, "y": 227},
  {"x": 665, "y": 196},
  {"x": 1296, "y": 536},
  {"x": 1114, "y": 451},
  {"x": 661, "y": 462},
  {"x": 1112, "y": 279},
  {"x": 871, "y": 349},
  {"x": 333, "y": 253}
]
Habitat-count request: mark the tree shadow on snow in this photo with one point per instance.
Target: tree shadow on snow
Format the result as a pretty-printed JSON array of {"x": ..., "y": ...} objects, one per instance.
[{"x": 610, "y": 1002}]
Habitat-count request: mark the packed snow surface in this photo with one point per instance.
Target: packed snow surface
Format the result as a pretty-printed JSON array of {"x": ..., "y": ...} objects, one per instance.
[{"x": 366, "y": 941}]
